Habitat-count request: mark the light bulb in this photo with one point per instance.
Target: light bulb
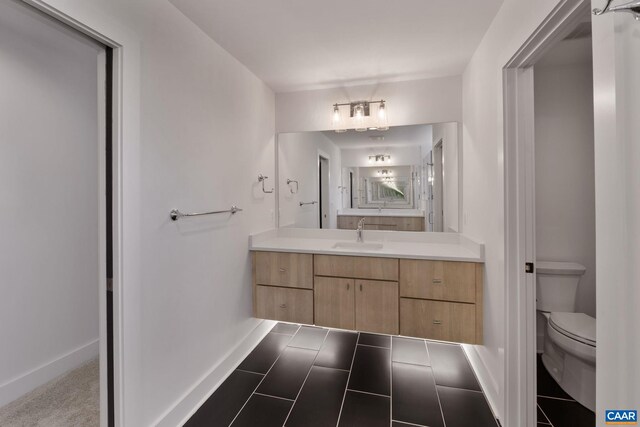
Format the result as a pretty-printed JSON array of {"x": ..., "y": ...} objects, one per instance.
[
  {"x": 336, "y": 120},
  {"x": 383, "y": 123},
  {"x": 358, "y": 117}
]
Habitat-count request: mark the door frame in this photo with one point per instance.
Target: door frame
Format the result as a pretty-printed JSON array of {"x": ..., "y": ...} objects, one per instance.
[
  {"x": 519, "y": 192},
  {"x": 115, "y": 39},
  {"x": 325, "y": 156}
]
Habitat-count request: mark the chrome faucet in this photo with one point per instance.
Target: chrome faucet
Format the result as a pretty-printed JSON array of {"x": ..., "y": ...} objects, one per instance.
[{"x": 359, "y": 231}]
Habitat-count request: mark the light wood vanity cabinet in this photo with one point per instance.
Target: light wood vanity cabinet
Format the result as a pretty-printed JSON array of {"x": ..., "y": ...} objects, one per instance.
[
  {"x": 356, "y": 267},
  {"x": 439, "y": 300},
  {"x": 284, "y": 269},
  {"x": 334, "y": 302}
]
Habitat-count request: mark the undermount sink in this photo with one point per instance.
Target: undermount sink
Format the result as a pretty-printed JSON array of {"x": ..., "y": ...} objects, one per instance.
[{"x": 361, "y": 246}]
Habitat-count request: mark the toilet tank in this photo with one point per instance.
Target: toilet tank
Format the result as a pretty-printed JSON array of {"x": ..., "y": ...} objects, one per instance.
[{"x": 556, "y": 285}]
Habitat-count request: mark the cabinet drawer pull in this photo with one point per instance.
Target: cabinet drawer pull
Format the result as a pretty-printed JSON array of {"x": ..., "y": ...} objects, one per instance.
[
  {"x": 348, "y": 286},
  {"x": 438, "y": 281},
  {"x": 283, "y": 305},
  {"x": 282, "y": 270},
  {"x": 360, "y": 287},
  {"x": 437, "y": 322}
]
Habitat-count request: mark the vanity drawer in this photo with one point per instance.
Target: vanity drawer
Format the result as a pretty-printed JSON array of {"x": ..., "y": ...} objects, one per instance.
[
  {"x": 439, "y": 280},
  {"x": 284, "y": 269},
  {"x": 438, "y": 320},
  {"x": 289, "y": 305},
  {"x": 356, "y": 267}
]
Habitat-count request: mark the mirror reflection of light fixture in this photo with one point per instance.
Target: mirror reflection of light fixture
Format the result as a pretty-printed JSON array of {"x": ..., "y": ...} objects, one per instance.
[
  {"x": 379, "y": 158},
  {"x": 361, "y": 117}
]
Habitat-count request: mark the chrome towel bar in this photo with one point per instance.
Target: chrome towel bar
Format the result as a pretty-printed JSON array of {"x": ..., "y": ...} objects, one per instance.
[
  {"x": 175, "y": 214},
  {"x": 308, "y": 203}
]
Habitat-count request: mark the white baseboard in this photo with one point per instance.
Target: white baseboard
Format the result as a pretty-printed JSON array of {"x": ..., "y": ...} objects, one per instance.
[
  {"x": 485, "y": 379},
  {"x": 185, "y": 407},
  {"x": 16, "y": 387}
]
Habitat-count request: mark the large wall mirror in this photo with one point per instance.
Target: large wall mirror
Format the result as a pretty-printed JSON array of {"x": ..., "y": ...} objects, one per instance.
[{"x": 402, "y": 179}]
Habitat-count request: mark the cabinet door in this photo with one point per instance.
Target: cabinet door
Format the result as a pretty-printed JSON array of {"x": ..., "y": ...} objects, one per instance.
[
  {"x": 438, "y": 320},
  {"x": 377, "y": 306},
  {"x": 289, "y": 305},
  {"x": 284, "y": 269},
  {"x": 334, "y": 302},
  {"x": 439, "y": 280}
]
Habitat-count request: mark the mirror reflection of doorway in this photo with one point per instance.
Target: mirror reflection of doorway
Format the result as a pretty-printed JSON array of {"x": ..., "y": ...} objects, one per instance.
[
  {"x": 438, "y": 202},
  {"x": 323, "y": 191}
]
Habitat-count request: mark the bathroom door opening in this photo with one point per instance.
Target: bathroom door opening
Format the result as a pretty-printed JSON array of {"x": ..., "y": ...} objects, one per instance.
[
  {"x": 56, "y": 166},
  {"x": 520, "y": 232},
  {"x": 323, "y": 192}
]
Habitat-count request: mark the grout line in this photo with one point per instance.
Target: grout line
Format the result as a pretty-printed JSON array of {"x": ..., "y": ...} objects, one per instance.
[
  {"x": 275, "y": 397},
  {"x": 409, "y": 363},
  {"x": 543, "y": 413},
  {"x": 475, "y": 375},
  {"x": 409, "y": 424},
  {"x": 391, "y": 381},
  {"x": 460, "y": 388},
  {"x": 368, "y": 392},
  {"x": 265, "y": 376},
  {"x": 344, "y": 396},
  {"x": 249, "y": 372},
  {"x": 328, "y": 367},
  {"x": 435, "y": 385},
  {"x": 556, "y": 398},
  {"x": 374, "y": 346},
  {"x": 305, "y": 378},
  {"x": 282, "y": 333}
]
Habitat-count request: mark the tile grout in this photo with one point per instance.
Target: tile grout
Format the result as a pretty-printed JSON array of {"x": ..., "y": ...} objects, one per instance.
[
  {"x": 305, "y": 379},
  {"x": 346, "y": 389},
  {"x": 556, "y": 398},
  {"x": 270, "y": 395},
  {"x": 374, "y": 346},
  {"x": 543, "y": 413},
  {"x": 407, "y": 423},
  {"x": 265, "y": 376},
  {"x": 368, "y": 392},
  {"x": 435, "y": 385}
]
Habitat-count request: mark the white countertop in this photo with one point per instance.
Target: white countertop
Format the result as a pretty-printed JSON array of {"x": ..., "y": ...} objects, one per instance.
[
  {"x": 382, "y": 212},
  {"x": 396, "y": 244}
]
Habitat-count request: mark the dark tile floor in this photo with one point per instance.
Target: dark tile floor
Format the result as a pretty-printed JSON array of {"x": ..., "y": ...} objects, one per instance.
[
  {"x": 302, "y": 376},
  {"x": 557, "y": 408}
]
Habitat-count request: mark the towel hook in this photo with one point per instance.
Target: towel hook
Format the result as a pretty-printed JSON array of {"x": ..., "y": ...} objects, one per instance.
[
  {"x": 632, "y": 7},
  {"x": 289, "y": 181},
  {"x": 262, "y": 179}
]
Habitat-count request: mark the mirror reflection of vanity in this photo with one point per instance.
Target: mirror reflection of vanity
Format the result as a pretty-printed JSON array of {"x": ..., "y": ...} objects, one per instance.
[{"x": 401, "y": 179}]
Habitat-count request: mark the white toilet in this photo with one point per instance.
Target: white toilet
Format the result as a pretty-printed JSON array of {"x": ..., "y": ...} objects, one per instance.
[{"x": 566, "y": 339}]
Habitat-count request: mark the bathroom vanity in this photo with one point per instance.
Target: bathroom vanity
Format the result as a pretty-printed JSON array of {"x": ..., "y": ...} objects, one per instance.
[{"x": 424, "y": 285}]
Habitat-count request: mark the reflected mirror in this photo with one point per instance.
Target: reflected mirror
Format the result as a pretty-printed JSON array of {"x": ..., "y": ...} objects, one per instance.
[{"x": 401, "y": 179}]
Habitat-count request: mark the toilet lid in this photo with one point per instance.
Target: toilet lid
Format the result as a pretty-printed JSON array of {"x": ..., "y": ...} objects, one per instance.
[{"x": 578, "y": 326}]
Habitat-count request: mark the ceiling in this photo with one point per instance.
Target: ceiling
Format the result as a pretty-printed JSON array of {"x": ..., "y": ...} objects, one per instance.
[
  {"x": 397, "y": 136},
  {"x": 299, "y": 45}
]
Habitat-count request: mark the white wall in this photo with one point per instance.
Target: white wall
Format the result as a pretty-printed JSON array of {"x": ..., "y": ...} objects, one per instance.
[
  {"x": 452, "y": 161},
  {"x": 49, "y": 199},
  {"x": 408, "y": 103},
  {"x": 565, "y": 181},
  {"x": 298, "y": 160},
  {"x": 198, "y": 128},
  {"x": 483, "y": 169}
]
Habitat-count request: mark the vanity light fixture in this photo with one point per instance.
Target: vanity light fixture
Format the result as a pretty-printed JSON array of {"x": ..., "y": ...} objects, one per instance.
[
  {"x": 379, "y": 158},
  {"x": 359, "y": 116}
]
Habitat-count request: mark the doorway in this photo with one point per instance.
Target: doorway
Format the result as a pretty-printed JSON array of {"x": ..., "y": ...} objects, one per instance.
[
  {"x": 438, "y": 178},
  {"x": 520, "y": 211},
  {"x": 323, "y": 191},
  {"x": 57, "y": 248}
]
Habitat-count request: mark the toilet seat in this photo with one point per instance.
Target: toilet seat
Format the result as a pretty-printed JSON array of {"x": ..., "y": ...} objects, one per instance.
[{"x": 576, "y": 326}]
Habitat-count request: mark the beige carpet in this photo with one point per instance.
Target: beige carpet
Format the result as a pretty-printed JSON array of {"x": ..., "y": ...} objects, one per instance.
[{"x": 70, "y": 400}]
